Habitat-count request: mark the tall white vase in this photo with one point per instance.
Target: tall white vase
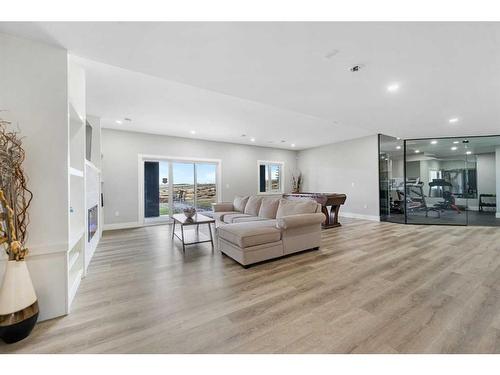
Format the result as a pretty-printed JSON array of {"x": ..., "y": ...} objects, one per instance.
[{"x": 18, "y": 303}]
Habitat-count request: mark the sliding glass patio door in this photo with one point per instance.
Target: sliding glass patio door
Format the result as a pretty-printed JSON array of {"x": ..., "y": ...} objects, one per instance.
[
  {"x": 183, "y": 186},
  {"x": 171, "y": 186},
  {"x": 206, "y": 186}
]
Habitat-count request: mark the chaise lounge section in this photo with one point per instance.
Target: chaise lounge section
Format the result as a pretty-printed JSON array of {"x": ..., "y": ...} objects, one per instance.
[{"x": 255, "y": 229}]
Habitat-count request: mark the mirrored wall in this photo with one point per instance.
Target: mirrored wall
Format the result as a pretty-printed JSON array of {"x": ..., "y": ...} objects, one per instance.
[{"x": 448, "y": 181}]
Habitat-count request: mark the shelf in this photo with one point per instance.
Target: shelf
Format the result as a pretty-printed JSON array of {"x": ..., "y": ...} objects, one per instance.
[
  {"x": 74, "y": 239},
  {"x": 73, "y": 260},
  {"x": 74, "y": 118},
  {"x": 75, "y": 172},
  {"x": 92, "y": 165}
]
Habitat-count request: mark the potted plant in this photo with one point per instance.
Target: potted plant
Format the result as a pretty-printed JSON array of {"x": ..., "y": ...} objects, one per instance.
[{"x": 18, "y": 301}]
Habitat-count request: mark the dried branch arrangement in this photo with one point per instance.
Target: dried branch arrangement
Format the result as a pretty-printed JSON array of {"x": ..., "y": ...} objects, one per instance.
[
  {"x": 296, "y": 181},
  {"x": 15, "y": 197}
]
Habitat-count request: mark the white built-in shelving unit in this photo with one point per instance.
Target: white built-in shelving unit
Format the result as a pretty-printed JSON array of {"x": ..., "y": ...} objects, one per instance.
[
  {"x": 76, "y": 179},
  {"x": 84, "y": 181}
]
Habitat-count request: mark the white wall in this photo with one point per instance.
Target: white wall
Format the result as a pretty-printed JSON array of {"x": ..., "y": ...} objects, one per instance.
[
  {"x": 120, "y": 167},
  {"x": 497, "y": 163},
  {"x": 486, "y": 176},
  {"x": 349, "y": 167},
  {"x": 397, "y": 170},
  {"x": 33, "y": 91}
]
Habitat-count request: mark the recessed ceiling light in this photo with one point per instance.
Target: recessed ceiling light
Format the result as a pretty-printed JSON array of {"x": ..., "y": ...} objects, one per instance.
[
  {"x": 252, "y": 139},
  {"x": 417, "y": 151},
  {"x": 398, "y": 147},
  {"x": 469, "y": 152},
  {"x": 454, "y": 148},
  {"x": 192, "y": 131},
  {"x": 433, "y": 142},
  {"x": 393, "y": 87},
  {"x": 456, "y": 142},
  {"x": 118, "y": 122},
  {"x": 453, "y": 120},
  {"x": 398, "y": 138},
  {"x": 293, "y": 144}
]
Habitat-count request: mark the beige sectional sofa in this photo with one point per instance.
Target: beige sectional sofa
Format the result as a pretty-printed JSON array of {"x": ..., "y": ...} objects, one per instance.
[{"x": 254, "y": 229}]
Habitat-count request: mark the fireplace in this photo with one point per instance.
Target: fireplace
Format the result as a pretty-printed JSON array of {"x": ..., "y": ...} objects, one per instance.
[{"x": 92, "y": 222}]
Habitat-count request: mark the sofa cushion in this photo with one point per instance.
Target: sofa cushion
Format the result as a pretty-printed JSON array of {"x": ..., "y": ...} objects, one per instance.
[
  {"x": 253, "y": 205},
  {"x": 239, "y": 203},
  {"x": 296, "y": 207},
  {"x": 229, "y": 218},
  {"x": 301, "y": 220},
  {"x": 220, "y": 215},
  {"x": 268, "y": 207},
  {"x": 250, "y": 233},
  {"x": 244, "y": 219},
  {"x": 222, "y": 207}
]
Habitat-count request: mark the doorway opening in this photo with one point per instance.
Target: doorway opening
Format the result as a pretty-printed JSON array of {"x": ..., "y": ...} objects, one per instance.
[{"x": 170, "y": 185}]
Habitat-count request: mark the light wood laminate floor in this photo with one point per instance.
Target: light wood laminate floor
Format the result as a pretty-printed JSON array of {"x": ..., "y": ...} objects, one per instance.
[{"x": 371, "y": 288}]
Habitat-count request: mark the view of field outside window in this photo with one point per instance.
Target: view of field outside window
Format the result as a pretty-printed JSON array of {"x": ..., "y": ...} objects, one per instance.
[
  {"x": 183, "y": 186},
  {"x": 275, "y": 177},
  {"x": 270, "y": 177},
  {"x": 205, "y": 186}
]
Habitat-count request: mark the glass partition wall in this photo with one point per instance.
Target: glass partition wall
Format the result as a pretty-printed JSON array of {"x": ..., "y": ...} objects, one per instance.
[
  {"x": 391, "y": 179},
  {"x": 450, "y": 181}
]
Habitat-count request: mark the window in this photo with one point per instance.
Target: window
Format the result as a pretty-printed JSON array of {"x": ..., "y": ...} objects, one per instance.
[
  {"x": 270, "y": 177},
  {"x": 434, "y": 175}
]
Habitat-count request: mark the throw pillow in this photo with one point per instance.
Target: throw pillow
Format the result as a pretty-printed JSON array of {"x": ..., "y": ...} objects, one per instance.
[{"x": 239, "y": 203}]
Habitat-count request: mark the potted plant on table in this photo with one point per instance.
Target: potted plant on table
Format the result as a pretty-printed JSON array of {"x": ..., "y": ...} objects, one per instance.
[{"x": 18, "y": 301}]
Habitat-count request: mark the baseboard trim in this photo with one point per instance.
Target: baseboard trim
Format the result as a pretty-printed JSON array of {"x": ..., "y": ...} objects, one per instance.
[
  {"x": 132, "y": 224},
  {"x": 353, "y": 215}
]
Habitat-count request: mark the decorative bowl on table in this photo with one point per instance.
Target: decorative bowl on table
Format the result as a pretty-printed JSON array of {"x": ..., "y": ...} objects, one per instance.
[{"x": 189, "y": 212}]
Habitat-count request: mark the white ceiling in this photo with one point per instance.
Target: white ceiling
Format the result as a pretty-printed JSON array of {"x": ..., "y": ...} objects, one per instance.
[
  {"x": 160, "y": 106},
  {"x": 444, "y": 70}
]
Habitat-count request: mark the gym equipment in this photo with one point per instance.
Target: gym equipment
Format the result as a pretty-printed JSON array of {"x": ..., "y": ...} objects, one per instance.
[
  {"x": 490, "y": 201},
  {"x": 414, "y": 196},
  {"x": 448, "y": 198}
]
